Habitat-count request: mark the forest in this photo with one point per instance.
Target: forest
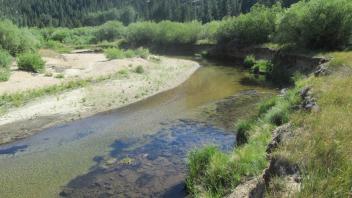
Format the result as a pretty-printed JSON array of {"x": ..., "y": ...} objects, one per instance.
[{"x": 73, "y": 13}]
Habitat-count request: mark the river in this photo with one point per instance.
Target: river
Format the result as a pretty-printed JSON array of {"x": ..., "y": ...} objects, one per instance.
[{"x": 136, "y": 151}]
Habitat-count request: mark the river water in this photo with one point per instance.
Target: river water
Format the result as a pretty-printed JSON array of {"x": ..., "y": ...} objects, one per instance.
[{"x": 136, "y": 151}]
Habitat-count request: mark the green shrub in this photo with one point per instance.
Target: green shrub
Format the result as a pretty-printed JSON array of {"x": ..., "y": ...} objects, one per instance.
[
  {"x": 252, "y": 28},
  {"x": 249, "y": 61},
  {"x": 61, "y": 34},
  {"x": 262, "y": 66},
  {"x": 141, "y": 33},
  {"x": 170, "y": 33},
  {"x": 142, "y": 52},
  {"x": 114, "y": 53},
  {"x": 317, "y": 24},
  {"x": 139, "y": 69},
  {"x": 4, "y": 73},
  {"x": 209, "y": 31},
  {"x": 30, "y": 62},
  {"x": 129, "y": 54},
  {"x": 5, "y": 60},
  {"x": 163, "y": 33},
  {"x": 16, "y": 40},
  {"x": 109, "y": 31}
]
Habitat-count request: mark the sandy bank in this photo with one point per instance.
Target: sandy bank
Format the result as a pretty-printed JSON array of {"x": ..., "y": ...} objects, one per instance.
[{"x": 51, "y": 110}]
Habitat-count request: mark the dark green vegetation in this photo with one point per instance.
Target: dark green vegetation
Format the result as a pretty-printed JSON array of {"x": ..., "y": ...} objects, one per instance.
[{"x": 73, "y": 13}]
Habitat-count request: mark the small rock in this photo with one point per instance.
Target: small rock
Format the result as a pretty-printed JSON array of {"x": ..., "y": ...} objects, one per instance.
[{"x": 322, "y": 70}]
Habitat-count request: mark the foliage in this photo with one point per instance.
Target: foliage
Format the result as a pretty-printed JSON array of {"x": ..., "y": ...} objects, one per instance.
[
  {"x": 163, "y": 33},
  {"x": 249, "y": 61},
  {"x": 142, "y": 52},
  {"x": 5, "y": 60},
  {"x": 109, "y": 31},
  {"x": 114, "y": 53},
  {"x": 141, "y": 33},
  {"x": 117, "y": 53},
  {"x": 30, "y": 62},
  {"x": 209, "y": 31},
  {"x": 177, "y": 33},
  {"x": 251, "y": 28},
  {"x": 262, "y": 66},
  {"x": 317, "y": 24},
  {"x": 4, "y": 74},
  {"x": 16, "y": 40}
]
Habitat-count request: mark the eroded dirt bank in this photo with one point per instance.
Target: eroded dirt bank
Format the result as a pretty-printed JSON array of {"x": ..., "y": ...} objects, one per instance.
[{"x": 159, "y": 74}]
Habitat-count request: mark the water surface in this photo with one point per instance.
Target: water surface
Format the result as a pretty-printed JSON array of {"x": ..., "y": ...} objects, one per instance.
[{"x": 136, "y": 151}]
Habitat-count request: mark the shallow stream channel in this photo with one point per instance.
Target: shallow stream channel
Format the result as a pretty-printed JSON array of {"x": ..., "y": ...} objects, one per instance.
[{"x": 136, "y": 151}]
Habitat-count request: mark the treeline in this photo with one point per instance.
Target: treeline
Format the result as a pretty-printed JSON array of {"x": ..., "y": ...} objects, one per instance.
[
  {"x": 75, "y": 13},
  {"x": 316, "y": 24}
]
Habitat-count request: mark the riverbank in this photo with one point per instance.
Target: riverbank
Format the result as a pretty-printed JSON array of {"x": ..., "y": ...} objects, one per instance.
[
  {"x": 297, "y": 145},
  {"x": 80, "y": 85}
]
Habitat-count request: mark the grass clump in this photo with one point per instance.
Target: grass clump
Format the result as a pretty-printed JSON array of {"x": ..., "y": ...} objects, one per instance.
[
  {"x": 242, "y": 128},
  {"x": 266, "y": 105},
  {"x": 30, "y": 61},
  {"x": 114, "y": 53}
]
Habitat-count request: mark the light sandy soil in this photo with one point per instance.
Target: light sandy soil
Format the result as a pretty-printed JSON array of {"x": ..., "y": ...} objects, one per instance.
[{"x": 47, "y": 111}]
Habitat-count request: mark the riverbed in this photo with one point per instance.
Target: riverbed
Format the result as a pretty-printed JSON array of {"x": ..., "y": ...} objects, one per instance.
[{"x": 136, "y": 151}]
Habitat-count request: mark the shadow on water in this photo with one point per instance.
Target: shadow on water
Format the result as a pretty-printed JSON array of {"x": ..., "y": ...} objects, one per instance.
[
  {"x": 13, "y": 150},
  {"x": 151, "y": 166}
]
